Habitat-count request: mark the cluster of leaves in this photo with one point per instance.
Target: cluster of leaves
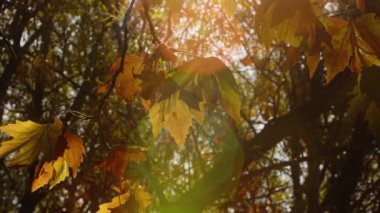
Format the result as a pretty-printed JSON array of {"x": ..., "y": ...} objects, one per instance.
[
  {"x": 61, "y": 151},
  {"x": 184, "y": 130}
]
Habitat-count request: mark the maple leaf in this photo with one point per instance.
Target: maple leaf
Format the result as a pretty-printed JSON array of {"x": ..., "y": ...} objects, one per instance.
[
  {"x": 42, "y": 176},
  {"x": 217, "y": 78},
  {"x": 118, "y": 159},
  {"x": 57, "y": 170},
  {"x": 156, "y": 117},
  {"x": 291, "y": 21},
  {"x": 73, "y": 155},
  {"x": 175, "y": 113},
  {"x": 127, "y": 85},
  {"x": 29, "y": 139},
  {"x": 368, "y": 26},
  {"x": 355, "y": 44},
  {"x": 118, "y": 200},
  {"x": 176, "y": 116},
  {"x": 178, "y": 121},
  {"x": 338, "y": 56},
  {"x": 61, "y": 169}
]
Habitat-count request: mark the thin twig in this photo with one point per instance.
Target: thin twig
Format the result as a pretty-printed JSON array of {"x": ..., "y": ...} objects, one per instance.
[{"x": 151, "y": 27}]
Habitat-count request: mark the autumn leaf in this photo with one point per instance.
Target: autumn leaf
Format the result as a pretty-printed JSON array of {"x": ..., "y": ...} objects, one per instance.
[
  {"x": 73, "y": 155},
  {"x": 214, "y": 81},
  {"x": 118, "y": 200},
  {"x": 56, "y": 171},
  {"x": 118, "y": 159},
  {"x": 29, "y": 140},
  {"x": 368, "y": 26},
  {"x": 127, "y": 85},
  {"x": 338, "y": 56},
  {"x": 156, "y": 117},
  {"x": 42, "y": 176},
  {"x": 216, "y": 77},
  {"x": 178, "y": 121}
]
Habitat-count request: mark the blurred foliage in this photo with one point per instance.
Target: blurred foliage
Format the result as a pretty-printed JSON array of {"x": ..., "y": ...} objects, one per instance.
[{"x": 190, "y": 106}]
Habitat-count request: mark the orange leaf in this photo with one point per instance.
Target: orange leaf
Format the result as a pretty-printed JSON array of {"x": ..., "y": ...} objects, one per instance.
[
  {"x": 74, "y": 153},
  {"x": 45, "y": 174}
]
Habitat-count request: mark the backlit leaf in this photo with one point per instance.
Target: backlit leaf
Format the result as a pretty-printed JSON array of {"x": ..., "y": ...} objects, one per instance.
[
  {"x": 56, "y": 171},
  {"x": 61, "y": 169},
  {"x": 178, "y": 121},
  {"x": 73, "y": 155},
  {"x": 116, "y": 202},
  {"x": 29, "y": 140},
  {"x": 42, "y": 176}
]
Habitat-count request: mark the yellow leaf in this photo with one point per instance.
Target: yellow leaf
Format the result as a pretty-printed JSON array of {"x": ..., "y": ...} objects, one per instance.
[
  {"x": 198, "y": 115},
  {"x": 61, "y": 171},
  {"x": 58, "y": 170},
  {"x": 156, "y": 116},
  {"x": 143, "y": 198},
  {"x": 73, "y": 155},
  {"x": 127, "y": 85},
  {"x": 29, "y": 139},
  {"x": 178, "y": 121},
  {"x": 116, "y": 202}
]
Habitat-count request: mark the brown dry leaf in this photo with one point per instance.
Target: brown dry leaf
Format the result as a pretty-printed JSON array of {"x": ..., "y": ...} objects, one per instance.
[
  {"x": 312, "y": 61},
  {"x": 337, "y": 57}
]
